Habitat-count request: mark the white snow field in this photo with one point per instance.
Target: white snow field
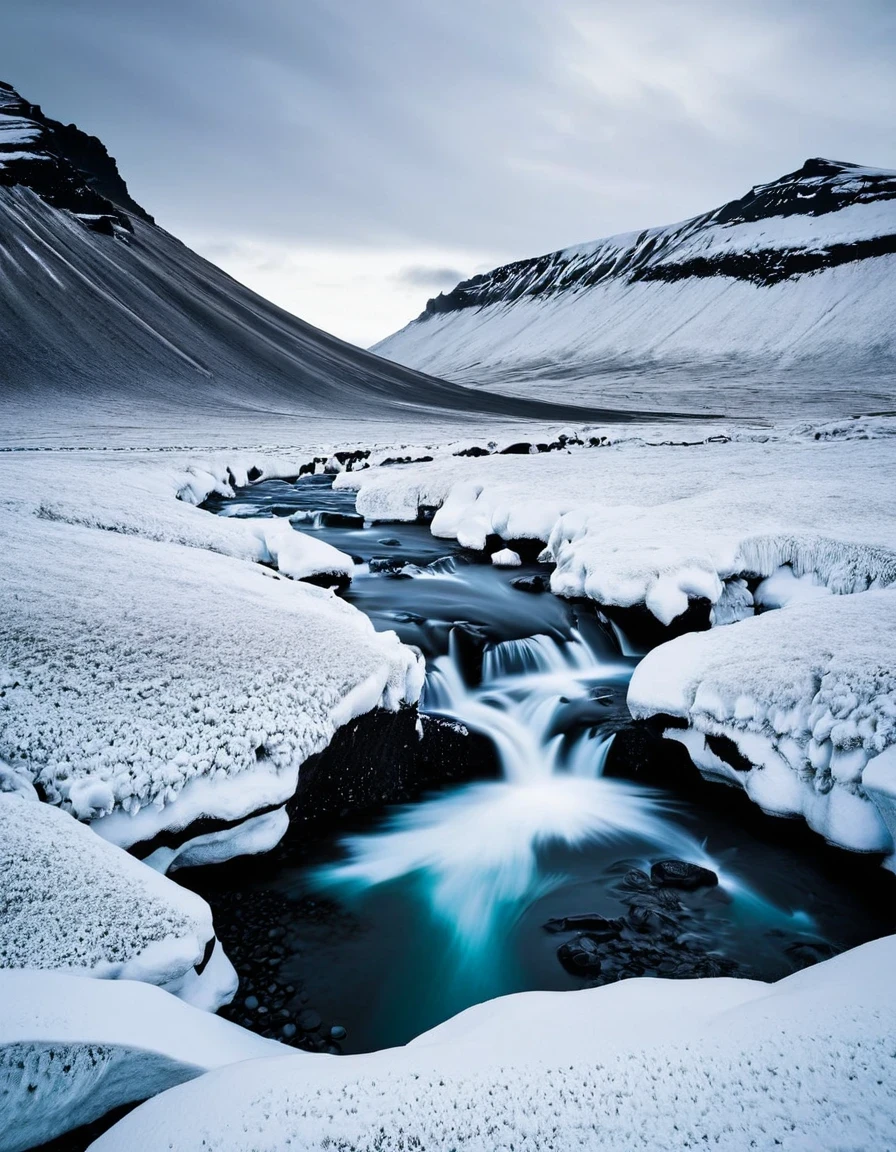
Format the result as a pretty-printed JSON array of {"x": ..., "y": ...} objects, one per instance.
[
  {"x": 73, "y": 1049},
  {"x": 804, "y": 1065},
  {"x": 154, "y": 673},
  {"x": 805, "y": 703},
  {"x": 72, "y": 902},
  {"x": 777, "y": 304}
]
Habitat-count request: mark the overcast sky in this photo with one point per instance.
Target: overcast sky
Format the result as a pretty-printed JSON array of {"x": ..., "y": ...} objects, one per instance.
[{"x": 349, "y": 158}]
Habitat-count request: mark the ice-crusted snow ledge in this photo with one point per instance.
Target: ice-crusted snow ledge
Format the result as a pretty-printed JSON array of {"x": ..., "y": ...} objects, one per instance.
[
  {"x": 806, "y": 1063},
  {"x": 74, "y": 903},
  {"x": 152, "y": 672},
  {"x": 73, "y": 1049},
  {"x": 660, "y": 525},
  {"x": 798, "y": 707}
]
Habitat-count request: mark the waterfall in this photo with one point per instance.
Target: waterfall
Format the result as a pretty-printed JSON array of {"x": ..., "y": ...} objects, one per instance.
[
  {"x": 476, "y": 849},
  {"x": 526, "y": 685}
]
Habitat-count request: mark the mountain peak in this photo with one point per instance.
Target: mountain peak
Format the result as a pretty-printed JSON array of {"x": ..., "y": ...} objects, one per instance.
[{"x": 66, "y": 167}]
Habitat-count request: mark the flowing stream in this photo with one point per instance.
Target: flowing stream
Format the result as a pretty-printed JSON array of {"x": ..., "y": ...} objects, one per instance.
[{"x": 439, "y": 904}]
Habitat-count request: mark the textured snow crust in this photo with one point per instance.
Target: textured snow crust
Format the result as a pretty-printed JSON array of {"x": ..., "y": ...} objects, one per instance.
[
  {"x": 72, "y": 902},
  {"x": 807, "y": 695},
  {"x": 153, "y": 675},
  {"x": 661, "y": 524},
  {"x": 644, "y": 1064},
  {"x": 73, "y": 1049}
]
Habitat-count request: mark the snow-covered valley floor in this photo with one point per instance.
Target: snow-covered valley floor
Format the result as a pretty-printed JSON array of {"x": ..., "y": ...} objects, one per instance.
[{"x": 161, "y": 667}]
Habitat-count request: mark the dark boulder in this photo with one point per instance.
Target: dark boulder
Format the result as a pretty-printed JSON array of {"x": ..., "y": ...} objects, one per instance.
[
  {"x": 581, "y": 956},
  {"x": 387, "y": 564},
  {"x": 598, "y": 927},
  {"x": 340, "y": 520},
  {"x": 682, "y": 874},
  {"x": 536, "y": 584}
]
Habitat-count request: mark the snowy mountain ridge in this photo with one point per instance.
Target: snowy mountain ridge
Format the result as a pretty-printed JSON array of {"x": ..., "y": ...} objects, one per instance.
[{"x": 794, "y": 279}]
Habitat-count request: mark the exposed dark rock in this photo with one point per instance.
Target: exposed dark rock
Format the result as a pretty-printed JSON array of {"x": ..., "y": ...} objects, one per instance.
[
  {"x": 388, "y": 564},
  {"x": 390, "y": 542},
  {"x": 404, "y": 460},
  {"x": 806, "y": 952},
  {"x": 309, "y": 1020},
  {"x": 581, "y": 956},
  {"x": 468, "y": 647},
  {"x": 682, "y": 874},
  {"x": 813, "y": 190},
  {"x": 523, "y": 448},
  {"x": 536, "y": 584},
  {"x": 328, "y": 579},
  {"x": 643, "y": 629},
  {"x": 340, "y": 519},
  {"x": 381, "y": 757},
  {"x": 527, "y": 548},
  {"x": 598, "y": 927}
]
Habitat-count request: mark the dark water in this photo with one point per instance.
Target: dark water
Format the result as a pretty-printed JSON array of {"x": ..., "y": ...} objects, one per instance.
[{"x": 434, "y": 906}]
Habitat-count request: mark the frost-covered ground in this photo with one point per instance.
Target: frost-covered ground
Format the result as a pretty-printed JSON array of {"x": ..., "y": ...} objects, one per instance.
[
  {"x": 806, "y": 1065},
  {"x": 155, "y": 671},
  {"x": 71, "y": 902},
  {"x": 642, "y": 522}
]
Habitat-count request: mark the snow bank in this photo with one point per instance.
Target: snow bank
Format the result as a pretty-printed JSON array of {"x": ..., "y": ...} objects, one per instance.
[
  {"x": 793, "y": 706},
  {"x": 653, "y": 1064},
  {"x": 662, "y": 524},
  {"x": 156, "y": 674},
  {"x": 303, "y": 557},
  {"x": 72, "y": 1049},
  {"x": 73, "y": 902}
]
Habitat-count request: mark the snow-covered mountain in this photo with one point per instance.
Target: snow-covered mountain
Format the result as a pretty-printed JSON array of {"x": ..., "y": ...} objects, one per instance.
[
  {"x": 112, "y": 323},
  {"x": 782, "y": 298}
]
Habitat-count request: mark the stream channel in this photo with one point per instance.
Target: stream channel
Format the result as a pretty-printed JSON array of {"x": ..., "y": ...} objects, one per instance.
[{"x": 384, "y": 928}]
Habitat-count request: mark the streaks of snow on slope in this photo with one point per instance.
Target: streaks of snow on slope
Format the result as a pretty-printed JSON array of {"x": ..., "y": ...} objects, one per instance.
[
  {"x": 72, "y": 1050},
  {"x": 73, "y": 902},
  {"x": 641, "y": 1064},
  {"x": 665, "y": 524},
  {"x": 794, "y": 707},
  {"x": 822, "y": 345},
  {"x": 777, "y": 302},
  {"x": 151, "y": 681}
]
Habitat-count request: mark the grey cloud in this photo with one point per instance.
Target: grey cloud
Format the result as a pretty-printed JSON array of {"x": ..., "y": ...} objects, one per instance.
[
  {"x": 511, "y": 127},
  {"x": 421, "y": 276}
]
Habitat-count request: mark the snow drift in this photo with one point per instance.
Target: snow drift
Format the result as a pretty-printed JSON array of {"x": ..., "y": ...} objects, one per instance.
[
  {"x": 654, "y": 1064},
  {"x": 72, "y": 902},
  {"x": 71, "y": 1050},
  {"x": 780, "y": 301}
]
